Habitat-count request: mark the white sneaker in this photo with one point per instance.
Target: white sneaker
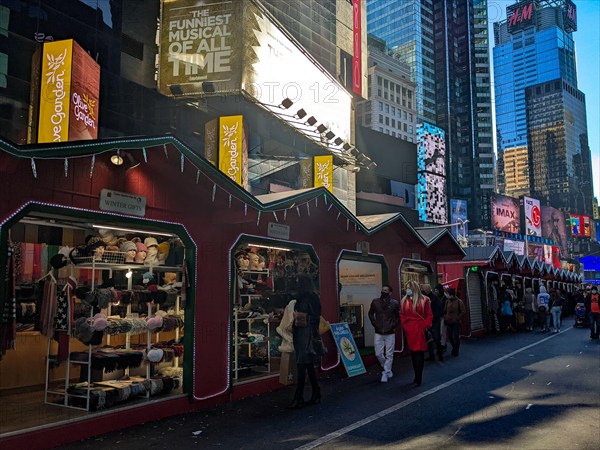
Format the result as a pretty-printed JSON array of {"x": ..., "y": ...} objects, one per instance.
[
  {"x": 390, "y": 375},
  {"x": 384, "y": 378}
]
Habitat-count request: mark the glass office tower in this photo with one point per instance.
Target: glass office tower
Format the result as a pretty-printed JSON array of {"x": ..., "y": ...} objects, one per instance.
[{"x": 534, "y": 45}]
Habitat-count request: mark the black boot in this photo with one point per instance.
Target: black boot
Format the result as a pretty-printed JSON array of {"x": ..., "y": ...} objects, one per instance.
[
  {"x": 315, "y": 398},
  {"x": 297, "y": 403}
]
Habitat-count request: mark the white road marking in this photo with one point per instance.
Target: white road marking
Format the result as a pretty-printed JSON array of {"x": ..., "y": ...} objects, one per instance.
[
  {"x": 549, "y": 383},
  {"x": 529, "y": 406},
  {"x": 353, "y": 426},
  {"x": 568, "y": 365}
]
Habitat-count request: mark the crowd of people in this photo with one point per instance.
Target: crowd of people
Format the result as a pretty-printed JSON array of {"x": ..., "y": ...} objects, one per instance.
[{"x": 430, "y": 318}]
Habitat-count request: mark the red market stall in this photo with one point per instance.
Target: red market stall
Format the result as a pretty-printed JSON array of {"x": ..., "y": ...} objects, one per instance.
[{"x": 233, "y": 262}]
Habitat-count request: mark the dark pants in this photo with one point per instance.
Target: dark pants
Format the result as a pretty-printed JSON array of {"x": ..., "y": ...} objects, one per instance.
[
  {"x": 594, "y": 325},
  {"x": 529, "y": 319},
  {"x": 436, "y": 345},
  {"x": 312, "y": 376},
  {"x": 418, "y": 362},
  {"x": 453, "y": 332}
]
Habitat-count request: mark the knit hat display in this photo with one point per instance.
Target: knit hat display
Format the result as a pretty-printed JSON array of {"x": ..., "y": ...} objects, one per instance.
[
  {"x": 127, "y": 246},
  {"x": 155, "y": 323},
  {"x": 151, "y": 242},
  {"x": 99, "y": 322},
  {"x": 155, "y": 355},
  {"x": 141, "y": 247}
]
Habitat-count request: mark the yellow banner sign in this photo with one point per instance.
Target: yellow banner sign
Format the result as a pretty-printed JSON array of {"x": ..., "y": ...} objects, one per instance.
[
  {"x": 231, "y": 135},
  {"x": 55, "y": 91},
  {"x": 324, "y": 172}
]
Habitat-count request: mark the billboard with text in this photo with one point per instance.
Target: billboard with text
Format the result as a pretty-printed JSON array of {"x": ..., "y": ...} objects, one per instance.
[
  {"x": 533, "y": 216},
  {"x": 505, "y": 214}
]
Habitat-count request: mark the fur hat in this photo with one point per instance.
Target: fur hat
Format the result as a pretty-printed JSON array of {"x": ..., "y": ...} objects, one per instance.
[
  {"x": 95, "y": 242},
  {"x": 155, "y": 355},
  {"x": 99, "y": 322},
  {"x": 150, "y": 241},
  {"x": 127, "y": 246},
  {"x": 141, "y": 247},
  {"x": 164, "y": 248},
  {"x": 148, "y": 278},
  {"x": 59, "y": 260},
  {"x": 107, "y": 236},
  {"x": 155, "y": 323},
  {"x": 83, "y": 330}
]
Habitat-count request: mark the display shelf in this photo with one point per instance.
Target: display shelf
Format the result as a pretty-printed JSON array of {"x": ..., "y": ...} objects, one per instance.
[{"x": 249, "y": 345}]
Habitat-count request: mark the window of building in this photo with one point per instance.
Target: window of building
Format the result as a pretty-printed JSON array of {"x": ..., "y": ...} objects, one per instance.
[
  {"x": 380, "y": 118},
  {"x": 387, "y": 121},
  {"x": 404, "y": 126},
  {"x": 394, "y": 123},
  {"x": 387, "y": 108},
  {"x": 410, "y": 129}
]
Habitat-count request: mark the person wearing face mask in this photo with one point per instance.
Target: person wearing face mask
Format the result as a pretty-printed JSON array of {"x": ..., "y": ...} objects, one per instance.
[
  {"x": 416, "y": 317},
  {"x": 592, "y": 308},
  {"x": 453, "y": 312},
  {"x": 384, "y": 315}
]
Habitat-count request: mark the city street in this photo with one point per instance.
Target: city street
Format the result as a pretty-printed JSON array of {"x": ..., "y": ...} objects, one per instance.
[{"x": 529, "y": 390}]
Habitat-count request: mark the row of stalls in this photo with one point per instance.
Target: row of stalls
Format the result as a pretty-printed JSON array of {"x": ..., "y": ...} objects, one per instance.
[
  {"x": 484, "y": 269},
  {"x": 135, "y": 293}
]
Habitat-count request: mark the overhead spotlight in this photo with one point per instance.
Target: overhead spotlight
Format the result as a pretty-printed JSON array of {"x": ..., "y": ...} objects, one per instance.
[
  {"x": 354, "y": 151},
  {"x": 131, "y": 161},
  {"x": 176, "y": 89},
  {"x": 330, "y": 135},
  {"x": 355, "y": 169},
  {"x": 339, "y": 141},
  {"x": 286, "y": 103},
  {"x": 117, "y": 159},
  {"x": 321, "y": 128},
  {"x": 372, "y": 165},
  {"x": 208, "y": 87},
  {"x": 311, "y": 121},
  {"x": 301, "y": 114}
]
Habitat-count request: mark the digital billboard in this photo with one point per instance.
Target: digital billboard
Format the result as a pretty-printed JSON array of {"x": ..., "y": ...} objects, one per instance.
[
  {"x": 431, "y": 198},
  {"x": 535, "y": 251},
  {"x": 569, "y": 16},
  {"x": 554, "y": 227},
  {"x": 275, "y": 68},
  {"x": 518, "y": 247},
  {"x": 69, "y": 93},
  {"x": 458, "y": 214},
  {"x": 533, "y": 216},
  {"x": 405, "y": 191},
  {"x": 505, "y": 214},
  {"x": 199, "y": 48},
  {"x": 580, "y": 226},
  {"x": 431, "y": 149}
]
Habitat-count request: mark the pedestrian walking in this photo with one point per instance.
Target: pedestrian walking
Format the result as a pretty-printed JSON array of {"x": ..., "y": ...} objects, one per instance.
[
  {"x": 528, "y": 304},
  {"x": 557, "y": 303},
  {"x": 307, "y": 315},
  {"x": 416, "y": 317},
  {"x": 454, "y": 311},
  {"x": 384, "y": 315},
  {"x": 542, "y": 302},
  {"x": 592, "y": 308},
  {"x": 506, "y": 310},
  {"x": 435, "y": 346}
]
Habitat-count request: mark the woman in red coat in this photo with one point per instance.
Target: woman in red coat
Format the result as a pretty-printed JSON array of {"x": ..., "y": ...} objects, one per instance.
[{"x": 416, "y": 317}]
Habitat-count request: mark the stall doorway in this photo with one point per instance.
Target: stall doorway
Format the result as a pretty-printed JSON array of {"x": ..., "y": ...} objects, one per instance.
[
  {"x": 359, "y": 281},
  {"x": 475, "y": 300}
]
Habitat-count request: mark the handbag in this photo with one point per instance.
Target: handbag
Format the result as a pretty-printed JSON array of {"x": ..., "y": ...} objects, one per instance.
[
  {"x": 317, "y": 346},
  {"x": 300, "y": 319},
  {"x": 428, "y": 335}
]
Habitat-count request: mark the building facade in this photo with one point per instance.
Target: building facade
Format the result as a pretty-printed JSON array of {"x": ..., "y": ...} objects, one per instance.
[
  {"x": 390, "y": 94},
  {"x": 407, "y": 28},
  {"x": 516, "y": 171},
  {"x": 560, "y": 161},
  {"x": 533, "y": 45}
]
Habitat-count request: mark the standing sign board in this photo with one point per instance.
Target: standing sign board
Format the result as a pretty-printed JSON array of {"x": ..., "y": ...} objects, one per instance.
[{"x": 347, "y": 348}]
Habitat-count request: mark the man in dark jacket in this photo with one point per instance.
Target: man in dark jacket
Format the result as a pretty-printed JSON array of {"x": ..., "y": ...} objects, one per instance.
[
  {"x": 384, "y": 315},
  {"x": 438, "y": 312}
]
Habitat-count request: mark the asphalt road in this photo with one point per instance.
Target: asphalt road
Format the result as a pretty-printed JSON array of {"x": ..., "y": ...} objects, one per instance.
[{"x": 532, "y": 391}]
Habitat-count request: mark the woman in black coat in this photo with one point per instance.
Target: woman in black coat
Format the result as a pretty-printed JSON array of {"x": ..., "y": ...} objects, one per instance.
[{"x": 307, "y": 302}]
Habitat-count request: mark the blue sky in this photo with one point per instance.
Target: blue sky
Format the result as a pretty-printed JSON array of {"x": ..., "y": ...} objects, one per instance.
[{"x": 587, "y": 47}]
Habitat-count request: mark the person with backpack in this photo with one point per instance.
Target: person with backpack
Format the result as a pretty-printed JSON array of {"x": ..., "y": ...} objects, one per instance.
[
  {"x": 453, "y": 312},
  {"x": 542, "y": 302},
  {"x": 592, "y": 308},
  {"x": 506, "y": 310}
]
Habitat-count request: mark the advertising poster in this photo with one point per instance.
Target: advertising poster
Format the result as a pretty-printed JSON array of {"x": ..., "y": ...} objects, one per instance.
[
  {"x": 85, "y": 94},
  {"x": 533, "y": 216},
  {"x": 597, "y": 222},
  {"x": 535, "y": 251},
  {"x": 323, "y": 175},
  {"x": 306, "y": 173},
  {"x": 55, "y": 92},
  {"x": 586, "y": 226},
  {"x": 272, "y": 64},
  {"x": 431, "y": 198},
  {"x": 458, "y": 214},
  {"x": 575, "y": 222},
  {"x": 231, "y": 147},
  {"x": 199, "y": 44},
  {"x": 431, "y": 149},
  {"x": 518, "y": 247},
  {"x": 405, "y": 191},
  {"x": 554, "y": 227},
  {"x": 348, "y": 351},
  {"x": 505, "y": 214}
]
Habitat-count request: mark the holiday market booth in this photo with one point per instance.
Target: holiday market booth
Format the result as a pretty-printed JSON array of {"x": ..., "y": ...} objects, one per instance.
[{"x": 157, "y": 286}]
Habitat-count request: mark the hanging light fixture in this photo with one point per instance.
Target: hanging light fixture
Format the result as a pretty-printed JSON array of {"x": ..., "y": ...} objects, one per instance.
[{"x": 117, "y": 159}]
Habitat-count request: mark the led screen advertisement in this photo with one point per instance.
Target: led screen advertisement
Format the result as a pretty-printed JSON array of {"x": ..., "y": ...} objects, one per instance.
[
  {"x": 505, "y": 214},
  {"x": 199, "y": 50},
  {"x": 554, "y": 227},
  {"x": 431, "y": 197},
  {"x": 69, "y": 92},
  {"x": 275, "y": 69},
  {"x": 580, "y": 226},
  {"x": 518, "y": 247},
  {"x": 533, "y": 216},
  {"x": 458, "y": 214},
  {"x": 431, "y": 149}
]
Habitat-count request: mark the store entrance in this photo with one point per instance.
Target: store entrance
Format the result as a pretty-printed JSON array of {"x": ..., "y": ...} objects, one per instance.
[{"x": 99, "y": 313}]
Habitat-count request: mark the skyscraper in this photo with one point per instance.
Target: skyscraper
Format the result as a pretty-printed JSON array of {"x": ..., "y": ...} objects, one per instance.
[
  {"x": 538, "y": 104},
  {"x": 445, "y": 43},
  {"x": 533, "y": 45}
]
